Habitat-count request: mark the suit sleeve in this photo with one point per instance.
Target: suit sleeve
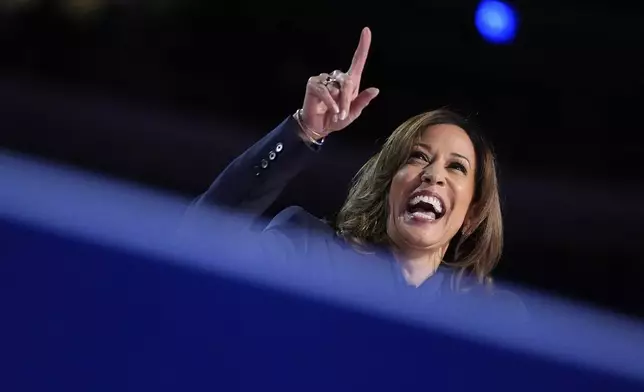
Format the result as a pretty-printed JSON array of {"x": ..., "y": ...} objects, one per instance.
[{"x": 254, "y": 180}]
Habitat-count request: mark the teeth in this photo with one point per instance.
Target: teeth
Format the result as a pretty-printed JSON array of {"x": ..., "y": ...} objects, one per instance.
[
  {"x": 429, "y": 216},
  {"x": 426, "y": 216},
  {"x": 433, "y": 200}
]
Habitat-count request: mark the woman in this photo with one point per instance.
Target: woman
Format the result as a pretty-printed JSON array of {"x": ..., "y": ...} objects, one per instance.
[{"x": 428, "y": 198}]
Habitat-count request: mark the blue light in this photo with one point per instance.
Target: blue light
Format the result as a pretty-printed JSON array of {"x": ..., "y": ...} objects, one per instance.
[{"x": 496, "y": 21}]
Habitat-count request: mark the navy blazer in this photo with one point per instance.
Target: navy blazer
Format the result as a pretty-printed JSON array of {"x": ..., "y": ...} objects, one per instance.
[{"x": 254, "y": 180}]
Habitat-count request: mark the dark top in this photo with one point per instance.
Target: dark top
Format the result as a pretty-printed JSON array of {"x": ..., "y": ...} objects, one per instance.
[{"x": 253, "y": 181}]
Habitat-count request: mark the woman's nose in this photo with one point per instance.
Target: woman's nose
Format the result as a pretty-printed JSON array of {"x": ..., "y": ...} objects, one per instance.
[{"x": 433, "y": 177}]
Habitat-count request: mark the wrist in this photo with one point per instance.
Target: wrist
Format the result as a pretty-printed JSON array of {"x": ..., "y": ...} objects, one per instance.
[{"x": 307, "y": 134}]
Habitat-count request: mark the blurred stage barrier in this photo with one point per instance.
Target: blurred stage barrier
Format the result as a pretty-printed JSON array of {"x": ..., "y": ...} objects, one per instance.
[{"x": 100, "y": 294}]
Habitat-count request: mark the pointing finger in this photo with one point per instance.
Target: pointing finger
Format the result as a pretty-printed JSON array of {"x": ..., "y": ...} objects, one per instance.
[{"x": 360, "y": 55}]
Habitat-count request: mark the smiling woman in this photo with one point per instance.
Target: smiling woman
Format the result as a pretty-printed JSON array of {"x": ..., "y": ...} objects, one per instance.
[
  {"x": 425, "y": 209},
  {"x": 432, "y": 187}
]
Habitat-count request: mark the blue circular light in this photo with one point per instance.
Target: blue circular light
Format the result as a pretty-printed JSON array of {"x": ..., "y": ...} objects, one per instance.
[{"x": 496, "y": 21}]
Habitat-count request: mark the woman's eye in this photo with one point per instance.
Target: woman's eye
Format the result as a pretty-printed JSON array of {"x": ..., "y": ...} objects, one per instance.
[
  {"x": 418, "y": 156},
  {"x": 459, "y": 166}
]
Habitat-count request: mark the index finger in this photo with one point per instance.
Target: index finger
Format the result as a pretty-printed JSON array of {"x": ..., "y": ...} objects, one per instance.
[{"x": 360, "y": 55}]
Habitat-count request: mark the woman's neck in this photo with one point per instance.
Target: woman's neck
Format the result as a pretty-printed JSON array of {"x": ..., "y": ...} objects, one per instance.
[{"x": 417, "y": 267}]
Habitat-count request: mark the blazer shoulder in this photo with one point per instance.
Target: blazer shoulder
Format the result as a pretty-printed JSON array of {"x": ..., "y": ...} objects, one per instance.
[
  {"x": 297, "y": 218},
  {"x": 512, "y": 303},
  {"x": 304, "y": 233}
]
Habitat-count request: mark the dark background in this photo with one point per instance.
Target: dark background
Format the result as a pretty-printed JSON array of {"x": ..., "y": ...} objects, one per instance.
[{"x": 166, "y": 93}]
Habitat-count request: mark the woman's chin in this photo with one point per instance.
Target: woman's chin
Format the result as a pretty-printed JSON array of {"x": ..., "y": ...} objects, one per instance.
[{"x": 421, "y": 232}]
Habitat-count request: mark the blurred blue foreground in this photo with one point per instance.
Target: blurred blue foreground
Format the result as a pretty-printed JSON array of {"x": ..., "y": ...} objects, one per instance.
[{"x": 99, "y": 293}]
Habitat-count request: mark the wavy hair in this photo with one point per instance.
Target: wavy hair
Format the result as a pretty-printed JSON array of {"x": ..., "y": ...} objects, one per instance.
[{"x": 362, "y": 220}]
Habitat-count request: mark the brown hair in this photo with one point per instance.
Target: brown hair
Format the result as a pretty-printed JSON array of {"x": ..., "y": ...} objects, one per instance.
[{"x": 362, "y": 220}]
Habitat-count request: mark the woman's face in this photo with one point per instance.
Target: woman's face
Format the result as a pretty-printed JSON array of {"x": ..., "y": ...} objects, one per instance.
[{"x": 431, "y": 193}]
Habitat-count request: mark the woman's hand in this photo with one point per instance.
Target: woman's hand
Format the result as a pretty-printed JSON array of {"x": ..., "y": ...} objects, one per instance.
[{"x": 333, "y": 101}]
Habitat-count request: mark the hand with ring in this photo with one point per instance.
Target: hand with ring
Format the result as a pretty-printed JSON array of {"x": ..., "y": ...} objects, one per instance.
[{"x": 333, "y": 101}]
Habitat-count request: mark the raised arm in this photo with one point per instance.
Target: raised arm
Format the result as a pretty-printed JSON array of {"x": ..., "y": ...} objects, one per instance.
[{"x": 252, "y": 182}]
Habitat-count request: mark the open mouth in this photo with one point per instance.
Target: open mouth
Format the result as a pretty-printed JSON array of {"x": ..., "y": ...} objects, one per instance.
[{"x": 425, "y": 207}]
